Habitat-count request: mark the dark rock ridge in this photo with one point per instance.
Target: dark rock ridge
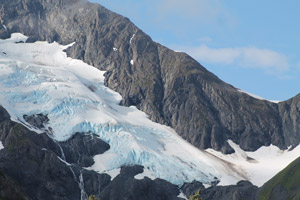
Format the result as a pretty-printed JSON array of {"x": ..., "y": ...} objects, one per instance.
[
  {"x": 243, "y": 190},
  {"x": 35, "y": 167},
  {"x": 172, "y": 88}
]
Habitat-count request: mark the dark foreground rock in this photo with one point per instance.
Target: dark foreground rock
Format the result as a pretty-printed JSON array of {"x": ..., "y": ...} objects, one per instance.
[
  {"x": 129, "y": 188},
  {"x": 10, "y": 190},
  {"x": 243, "y": 190},
  {"x": 172, "y": 88}
]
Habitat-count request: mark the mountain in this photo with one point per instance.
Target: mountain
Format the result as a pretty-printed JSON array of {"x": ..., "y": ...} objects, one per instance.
[
  {"x": 171, "y": 87},
  {"x": 69, "y": 130}
]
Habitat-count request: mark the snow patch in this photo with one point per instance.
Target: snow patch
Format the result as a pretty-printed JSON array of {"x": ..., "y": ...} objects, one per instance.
[
  {"x": 257, "y": 97},
  {"x": 65, "y": 162},
  {"x": 5, "y": 28},
  {"x": 131, "y": 38},
  {"x": 15, "y": 37},
  {"x": 181, "y": 195}
]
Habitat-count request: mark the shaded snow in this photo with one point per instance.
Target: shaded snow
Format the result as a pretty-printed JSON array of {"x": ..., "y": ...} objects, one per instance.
[
  {"x": 146, "y": 173},
  {"x": 113, "y": 173},
  {"x": 40, "y": 78},
  {"x": 181, "y": 195},
  {"x": 1, "y": 145}
]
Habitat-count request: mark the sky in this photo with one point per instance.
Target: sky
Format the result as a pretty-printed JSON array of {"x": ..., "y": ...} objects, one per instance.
[{"x": 252, "y": 45}]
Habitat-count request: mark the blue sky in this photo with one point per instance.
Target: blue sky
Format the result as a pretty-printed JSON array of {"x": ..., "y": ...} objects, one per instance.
[{"x": 253, "y": 45}]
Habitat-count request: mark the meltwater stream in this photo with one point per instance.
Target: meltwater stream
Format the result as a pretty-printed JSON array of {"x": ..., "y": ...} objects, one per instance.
[{"x": 80, "y": 181}]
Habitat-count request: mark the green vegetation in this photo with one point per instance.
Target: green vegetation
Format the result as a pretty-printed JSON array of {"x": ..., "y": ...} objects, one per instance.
[
  {"x": 288, "y": 179},
  {"x": 93, "y": 197},
  {"x": 196, "y": 196}
]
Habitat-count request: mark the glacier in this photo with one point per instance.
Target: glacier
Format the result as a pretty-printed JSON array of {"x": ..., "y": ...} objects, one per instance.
[{"x": 39, "y": 78}]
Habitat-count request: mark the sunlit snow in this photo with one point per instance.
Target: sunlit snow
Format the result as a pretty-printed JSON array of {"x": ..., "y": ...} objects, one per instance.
[
  {"x": 40, "y": 78},
  {"x": 257, "y": 97}
]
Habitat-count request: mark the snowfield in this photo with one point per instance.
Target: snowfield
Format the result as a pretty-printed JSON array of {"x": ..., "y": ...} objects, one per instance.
[{"x": 40, "y": 78}]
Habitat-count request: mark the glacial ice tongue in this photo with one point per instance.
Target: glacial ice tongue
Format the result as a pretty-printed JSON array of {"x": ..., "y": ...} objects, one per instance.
[{"x": 40, "y": 78}]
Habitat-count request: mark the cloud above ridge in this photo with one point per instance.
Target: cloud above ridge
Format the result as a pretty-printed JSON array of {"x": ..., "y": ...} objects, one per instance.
[{"x": 251, "y": 57}]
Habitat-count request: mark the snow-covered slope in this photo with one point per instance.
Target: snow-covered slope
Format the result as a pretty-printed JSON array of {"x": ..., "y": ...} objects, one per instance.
[{"x": 39, "y": 78}]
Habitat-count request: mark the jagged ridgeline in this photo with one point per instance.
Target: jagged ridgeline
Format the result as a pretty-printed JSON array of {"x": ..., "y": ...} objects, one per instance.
[{"x": 171, "y": 87}]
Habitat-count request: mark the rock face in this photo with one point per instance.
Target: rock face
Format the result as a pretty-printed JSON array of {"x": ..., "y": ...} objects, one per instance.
[
  {"x": 172, "y": 88},
  {"x": 87, "y": 145}
]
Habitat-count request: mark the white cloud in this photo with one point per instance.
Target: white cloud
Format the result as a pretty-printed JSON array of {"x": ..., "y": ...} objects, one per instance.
[
  {"x": 196, "y": 11},
  {"x": 268, "y": 60},
  {"x": 204, "y": 39}
]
